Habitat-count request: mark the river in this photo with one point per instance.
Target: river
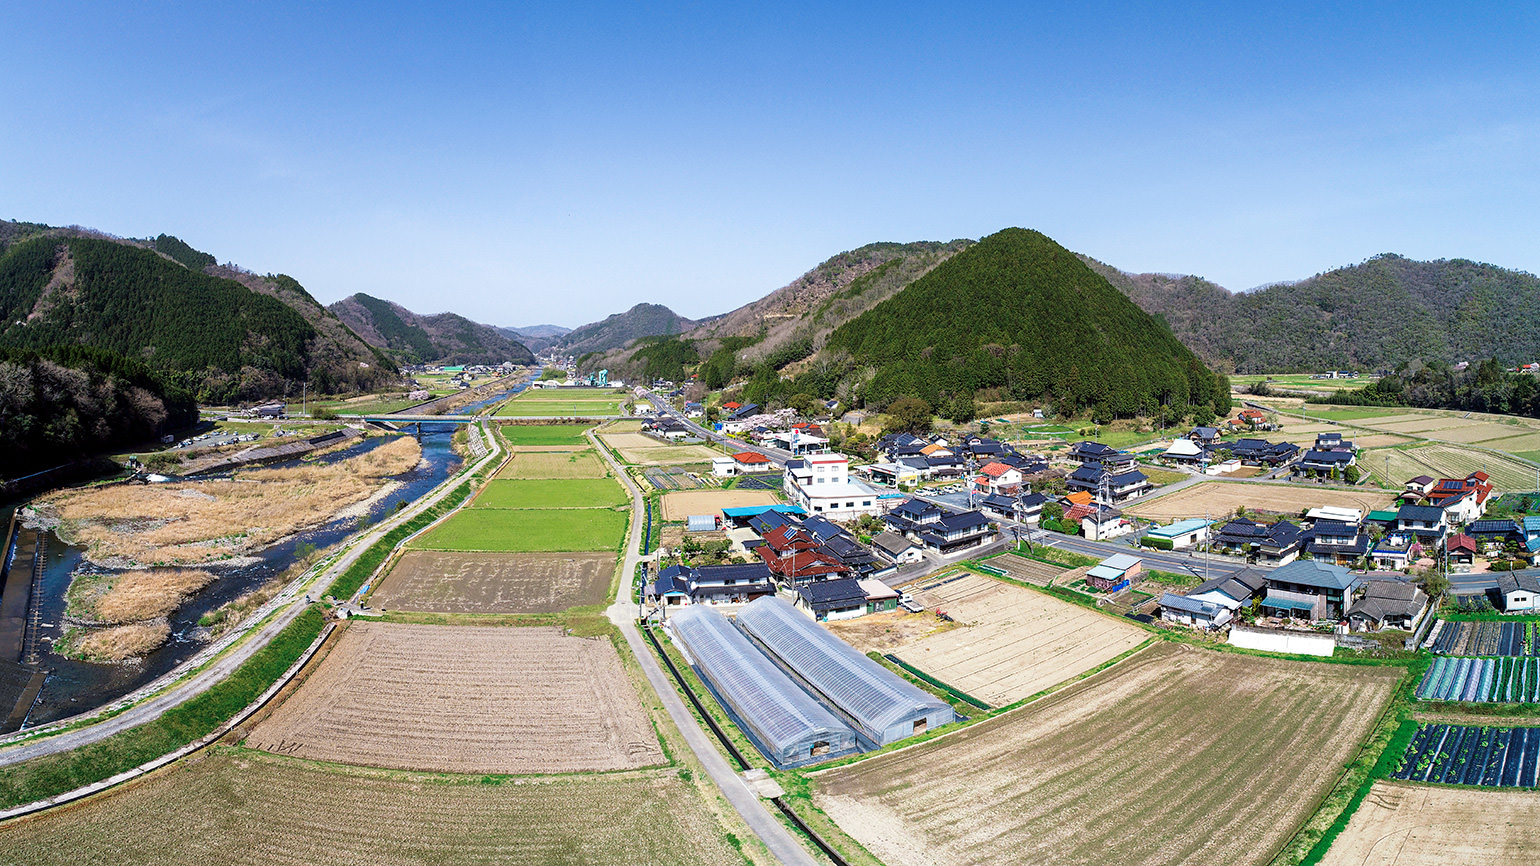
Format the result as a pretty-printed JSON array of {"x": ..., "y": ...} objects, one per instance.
[{"x": 75, "y": 686}]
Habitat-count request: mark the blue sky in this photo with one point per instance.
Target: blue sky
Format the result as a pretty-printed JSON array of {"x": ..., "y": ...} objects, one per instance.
[{"x": 556, "y": 164}]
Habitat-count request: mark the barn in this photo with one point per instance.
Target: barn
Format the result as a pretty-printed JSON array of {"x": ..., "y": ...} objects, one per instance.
[
  {"x": 785, "y": 723},
  {"x": 883, "y": 708}
]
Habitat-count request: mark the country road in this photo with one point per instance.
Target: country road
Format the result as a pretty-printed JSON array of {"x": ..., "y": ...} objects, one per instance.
[
  {"x": 169, "y": 691},
  {"x": 782, "y": 845}
]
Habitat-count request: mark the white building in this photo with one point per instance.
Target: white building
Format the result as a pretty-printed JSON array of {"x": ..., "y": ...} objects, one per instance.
[{"x": 821, "y": 484}]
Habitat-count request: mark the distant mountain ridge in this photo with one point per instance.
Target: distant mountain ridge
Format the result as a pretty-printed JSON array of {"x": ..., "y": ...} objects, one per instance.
[
  {"x": 1375, "y": 315},
  {"x": 615, "y": 331},
  {"x": 441, "y": 338},
  {"x": 535, "y": 337},
  {"x": 222, "y": 333}
]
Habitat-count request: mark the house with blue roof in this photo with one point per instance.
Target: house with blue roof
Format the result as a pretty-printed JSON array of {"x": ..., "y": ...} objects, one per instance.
[
  {"x": 1181, "y": 534},
  {"x": 1310, "y": 590}
]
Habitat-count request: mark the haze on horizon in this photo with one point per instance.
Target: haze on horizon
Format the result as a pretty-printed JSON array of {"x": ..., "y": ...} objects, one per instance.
[{"x": 523, "y": 166}]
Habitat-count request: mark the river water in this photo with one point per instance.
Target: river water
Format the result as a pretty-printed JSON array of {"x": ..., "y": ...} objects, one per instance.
[{"x": 75, "y": 686}]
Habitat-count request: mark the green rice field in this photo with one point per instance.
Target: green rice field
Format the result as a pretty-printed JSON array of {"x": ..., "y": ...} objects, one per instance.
[
  {"x": 530, "y": 530},
  {"x": 520, "y": 407},
  {"x": 551, "y": 493},
  {"x": 544, "y": 434}
]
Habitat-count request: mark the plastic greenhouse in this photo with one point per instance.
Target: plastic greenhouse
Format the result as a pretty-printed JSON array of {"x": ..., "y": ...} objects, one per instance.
[
  {"x": 882, "y": 706},
  {"x": 787, "y": 724}
]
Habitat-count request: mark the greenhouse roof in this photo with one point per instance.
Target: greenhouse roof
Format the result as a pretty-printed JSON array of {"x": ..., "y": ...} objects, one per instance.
[
  {"x": 782, "y": 718},
  {"x": 867, "y": 692}
]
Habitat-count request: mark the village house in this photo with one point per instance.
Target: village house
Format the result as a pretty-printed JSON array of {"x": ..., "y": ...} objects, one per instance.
[
  {"x": 1277, "y": 544},
  {"x": 1180, "y": 535},
  {"x": 1186, "y": 610},
  {"x": 1107, "y": 487},
  {"x": 796, "y": 557},
  {"x": 1519, "y": 591},
  {"x": 711, "y": 584},
  {"x": 1308, "y": 590},
  {"x": 832, "y": 600},
  {"x": 897, "y": 549},
  {"x": 955, "y": 533},
  {"x": 1388, "y": 604},
  {"x": 1115, "y": 573},
  {"x": 1337, "y": 542},
  {"x": 998, "y": 479},
  {"x": 1185, "y": 452}
]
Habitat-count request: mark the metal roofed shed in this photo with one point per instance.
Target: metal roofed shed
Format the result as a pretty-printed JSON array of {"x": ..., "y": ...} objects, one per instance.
[
  {"x": 882, "y": 707},
  {"x": 784, "y": 722}
]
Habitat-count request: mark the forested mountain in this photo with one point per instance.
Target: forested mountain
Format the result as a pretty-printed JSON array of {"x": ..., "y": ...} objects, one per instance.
[
  {"x": 71, "y": 401},
  {"x": 1376, "y": 315},
  {"x": 1021, "y": 316},
  {"x": 792, "y": 322},
  {"x": 535, "y": 337},
  {"x": 642, "y": 320},
  {"x": 443, "y": 338},
  {"x": 223, "y": 334}
]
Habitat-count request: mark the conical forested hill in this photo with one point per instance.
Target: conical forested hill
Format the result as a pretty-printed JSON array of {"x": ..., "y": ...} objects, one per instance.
[{"x": 1021, "y": 314}]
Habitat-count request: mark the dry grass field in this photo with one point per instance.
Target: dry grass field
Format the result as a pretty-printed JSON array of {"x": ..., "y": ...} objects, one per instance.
[
  {"x": 119, "y": 642},
  {"x": 235, "y": 807},
  {"x": 1217, "y": 498},
  {"x": 1011, "y": 642},
  {"x": 1027, "y": 570},
  {"x": 646, "y": 451},
  {"x": 553, "y": 464},
  {"x": 1450, "y": 461},
  {"x": 132, "y": 596},
  {"x": 1176, "y": 755},
  {"x": 1405, "y": 825},
  {"x": 683, "y": 503},
  {"x": 465, "y": 699},
  {"x": 190, "y": 523},
  {"x": 440, "y": 582}
]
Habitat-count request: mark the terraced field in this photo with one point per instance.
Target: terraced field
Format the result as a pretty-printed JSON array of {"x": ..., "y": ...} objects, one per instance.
[
  {"x": 238, "y": 807},
  {"x": 1157, "y": 760},
  {"x": 527, "y": 530},
  {"x": 465, "y": 699},
  {"x": 440, "y": 582},
  {"x": 1446, "y": 461},
  {"x": 553, "y": 464},
  {"x": 551, "y": 493}
]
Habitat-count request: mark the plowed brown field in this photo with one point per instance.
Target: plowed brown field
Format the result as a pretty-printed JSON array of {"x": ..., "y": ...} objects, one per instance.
[
  {"x": 1403, "y": 825},
  {"x": 1177, "y": 755},
  {"x": 1218, "y": 498},
  {"x": 237, "y": 807},
  {"x": 445, "y": 582},
  {"x": 465, "y": 699},
  {"x": 683, "y": 503}
]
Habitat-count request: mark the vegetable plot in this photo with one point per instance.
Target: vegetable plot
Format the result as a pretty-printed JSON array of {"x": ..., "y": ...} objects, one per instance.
[
  {"x": 1464, "y": 755},
  {"x": 1483, "y": 638},
  {"x": 1493, "y": 680}
]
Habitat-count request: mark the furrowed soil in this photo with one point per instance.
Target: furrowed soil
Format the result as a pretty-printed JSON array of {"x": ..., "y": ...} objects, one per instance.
[
  {"x": 465, "y": 699},
  {"x": 439, "y": 582},
  {"x": 1406, "y": 825},
  {"x": 645, "y": 450},
  {"x": 1217, "y": 498},
  {"x": 1176, "y": 755},
  {"x": 236, "y": 807},
  {"x": 1010, "y": 643},
  {"x": 683, "y": 503}
]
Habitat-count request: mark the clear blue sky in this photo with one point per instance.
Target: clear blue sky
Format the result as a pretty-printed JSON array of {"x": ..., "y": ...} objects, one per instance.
[{"x": 523, "y": 165}]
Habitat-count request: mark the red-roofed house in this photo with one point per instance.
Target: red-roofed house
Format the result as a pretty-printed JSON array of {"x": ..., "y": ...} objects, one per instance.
[
  {"x": 733, "y": 405},
  {"x": 1462, "y": 549},
  {"x": 751, "y": 461},
  {"x": 998, "y": 478},
  {"x": 794, "y": 557}
]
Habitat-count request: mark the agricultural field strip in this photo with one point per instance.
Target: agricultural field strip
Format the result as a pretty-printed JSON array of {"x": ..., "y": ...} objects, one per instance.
[
  {"x": 682, "y": 504},
  {"x": 1221, "y": 497},
  {"x": 1064, "y": 789},
  {"x": 553, "y": 464},
  {"x": 1501, "y": 680},
  {"x": 237, "y": 807},
  {"x": 442, "y": 582},
  {"x": 1013, "y": 643},
  {"x": 1485, "y": 638},
  {"x": 465, "y": 699},
  {"x": 527, "y": 530},
  {"x": 1405, "y": 825},
  {"x": 527, "y": 493},
  {"x": 1027, "y": 570},
  {"x": 1489, "y": 757}
]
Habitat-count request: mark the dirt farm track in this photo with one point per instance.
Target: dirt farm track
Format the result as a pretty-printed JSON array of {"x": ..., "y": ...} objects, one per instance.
[
  {"x": 444, "y": 582},
  {"x": 465, "y": 699},
  {"x": 1219, "y": 498},
  {"x": 1405, "y": 825},
  {"x": 235, "y": 807},
  {"x": 1165, "y": 758}
]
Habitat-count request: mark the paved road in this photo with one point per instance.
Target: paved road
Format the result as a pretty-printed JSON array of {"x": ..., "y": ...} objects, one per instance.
[
  {"x": 622, "y": 613},
  {"x": 779, "y": 455},
  {"x": 293, "y": 604}
]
